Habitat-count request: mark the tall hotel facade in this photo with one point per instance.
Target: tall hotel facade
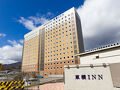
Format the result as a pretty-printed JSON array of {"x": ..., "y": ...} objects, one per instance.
[{"x": 54, "y": 44}]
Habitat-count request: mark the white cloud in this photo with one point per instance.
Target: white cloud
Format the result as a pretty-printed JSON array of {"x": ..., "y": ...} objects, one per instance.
[
  {"x": 100, "y": 22},
  {"x": 12, "y": 42},
  {"x": 21, "y": 41},
  {"x": 2, "y": 34},
  {"x": 33, "y": 21},
  {"x": 10, "y": 54},
  {"x": 28, "y": 23}
]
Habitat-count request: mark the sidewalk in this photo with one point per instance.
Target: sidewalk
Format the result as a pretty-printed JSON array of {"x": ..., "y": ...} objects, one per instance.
[{"x": 51, "y": 86}]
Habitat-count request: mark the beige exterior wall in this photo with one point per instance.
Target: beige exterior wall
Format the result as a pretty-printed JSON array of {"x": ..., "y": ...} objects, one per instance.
[
  {"x": 30, "y": 57},
  {"x": 54, "y": 44}
]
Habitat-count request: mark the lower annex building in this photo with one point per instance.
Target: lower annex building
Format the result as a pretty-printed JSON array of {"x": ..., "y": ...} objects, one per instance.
[{"x": 53, "y": 44}]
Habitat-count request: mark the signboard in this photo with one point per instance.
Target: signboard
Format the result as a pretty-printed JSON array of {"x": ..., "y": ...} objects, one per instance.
[{"x": 87, "y": 77}]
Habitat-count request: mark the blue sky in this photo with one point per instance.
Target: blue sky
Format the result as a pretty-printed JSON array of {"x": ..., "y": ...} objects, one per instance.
[{"x": 100, "y": 21}]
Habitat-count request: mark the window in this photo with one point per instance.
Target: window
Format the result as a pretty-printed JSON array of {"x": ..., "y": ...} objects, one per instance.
[
  {"x": 67, "y": 52},
  {"x": 68, "y": 62},
  {"x": 71, "y": 56},
  {"x": 97, "y": 57}
]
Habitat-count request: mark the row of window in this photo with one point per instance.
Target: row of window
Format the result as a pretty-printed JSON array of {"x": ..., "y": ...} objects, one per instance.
[
  {"x": 58, "y": 17},
  {"x": 60, "y": 58},
  {"x": 58, "y": 46},
  {"x": 57, "y": 38},
  {"x": 59, "y": 50},
  {"x": 59, "y": 34},
  {"x": 54, "y": 68},
  {"x": 60, "y": 40},
  {"x": 56, "y": 23},
  {"x": 59, "y": 63},
  {"x": 57, "y": 28},
  {"x": 59, "y": 54},
  {"x": 57, "y": 43}
]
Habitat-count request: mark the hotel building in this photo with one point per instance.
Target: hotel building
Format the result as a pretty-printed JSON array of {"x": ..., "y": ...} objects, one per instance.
[{"x": 53, "y": 44}]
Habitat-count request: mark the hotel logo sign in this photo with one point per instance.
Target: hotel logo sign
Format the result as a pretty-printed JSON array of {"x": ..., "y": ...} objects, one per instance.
[{"x": 89, "y": 77}]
